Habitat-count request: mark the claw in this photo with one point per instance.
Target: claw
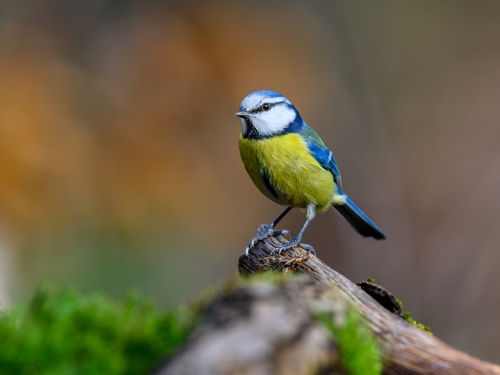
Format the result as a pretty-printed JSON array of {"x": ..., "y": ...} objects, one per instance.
[
  {"x": 283, "y": 232},
  {"x": 291, "y": 245},
  {"x": 266, "y": 231},
  {"x": 285, "y": 247},
  {"x": 263, "y": 232},
  {"x": 307, "y": 247}
]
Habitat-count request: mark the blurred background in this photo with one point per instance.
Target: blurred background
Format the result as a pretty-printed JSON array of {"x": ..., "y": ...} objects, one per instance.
[{"x": 119, "y": 162}]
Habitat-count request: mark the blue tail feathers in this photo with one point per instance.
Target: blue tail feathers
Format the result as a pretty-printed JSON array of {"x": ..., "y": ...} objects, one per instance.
[{"x": 359, "y": 221}]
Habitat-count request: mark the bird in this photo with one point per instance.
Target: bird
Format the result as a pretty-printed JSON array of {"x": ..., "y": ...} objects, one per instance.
[{"x": 289, "y": 163}]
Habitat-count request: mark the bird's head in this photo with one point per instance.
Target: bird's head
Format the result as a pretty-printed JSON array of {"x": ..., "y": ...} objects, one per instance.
[{"x": 266, "y": 113}]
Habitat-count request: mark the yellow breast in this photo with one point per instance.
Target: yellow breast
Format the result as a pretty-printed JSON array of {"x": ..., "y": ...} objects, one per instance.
[{"x": 292, "y": 171}]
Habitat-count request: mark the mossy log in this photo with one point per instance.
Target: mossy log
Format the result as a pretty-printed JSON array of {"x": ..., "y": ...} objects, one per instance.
[{"x": 262, "y": 329}]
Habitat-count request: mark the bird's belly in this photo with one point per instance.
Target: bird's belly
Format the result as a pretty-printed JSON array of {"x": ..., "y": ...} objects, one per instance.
[{"x": 284, "y": 170}]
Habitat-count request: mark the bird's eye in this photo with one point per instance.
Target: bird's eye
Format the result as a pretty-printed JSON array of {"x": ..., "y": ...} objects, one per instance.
[{"x": 266, "y": 107}]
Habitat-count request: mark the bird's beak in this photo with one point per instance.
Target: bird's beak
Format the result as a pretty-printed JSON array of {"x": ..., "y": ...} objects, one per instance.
[{"x": 242, "y": 114}]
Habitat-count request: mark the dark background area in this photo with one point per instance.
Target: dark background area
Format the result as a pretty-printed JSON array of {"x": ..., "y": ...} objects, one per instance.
[{"x": 119, "y": 163}]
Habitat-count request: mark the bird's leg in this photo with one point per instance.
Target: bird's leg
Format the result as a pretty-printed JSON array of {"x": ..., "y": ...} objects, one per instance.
[
  {"x": 266, "y": 231},
  {"x": 310, "y": 214},
  {"x": 269, "y": 229}
]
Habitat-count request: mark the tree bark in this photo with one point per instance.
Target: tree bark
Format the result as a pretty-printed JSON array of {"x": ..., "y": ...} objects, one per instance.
[
  {"x": 262, "y": 329},
  {"x": 405, "y": 349}
]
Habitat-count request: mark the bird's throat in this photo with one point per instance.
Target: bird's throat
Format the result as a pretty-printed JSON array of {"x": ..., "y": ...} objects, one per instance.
[{"x": 249, "y": 130}]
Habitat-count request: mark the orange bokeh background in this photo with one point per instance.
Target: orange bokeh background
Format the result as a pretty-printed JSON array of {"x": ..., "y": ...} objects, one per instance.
[{"x": 119, "y": 165}]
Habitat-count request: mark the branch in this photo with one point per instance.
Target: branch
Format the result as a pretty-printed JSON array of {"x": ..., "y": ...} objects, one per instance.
[
  {"x": 260, "y": 328},
  {"x": 404, "y": 348},
  {"x": 271, "y": 328}
]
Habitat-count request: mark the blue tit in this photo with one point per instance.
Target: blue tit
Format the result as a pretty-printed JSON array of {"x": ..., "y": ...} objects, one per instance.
[{"x": 290, "y": 164}]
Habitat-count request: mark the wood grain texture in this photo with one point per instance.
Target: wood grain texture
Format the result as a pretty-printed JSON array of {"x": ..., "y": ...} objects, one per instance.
[{"x": 406, "y": 350}]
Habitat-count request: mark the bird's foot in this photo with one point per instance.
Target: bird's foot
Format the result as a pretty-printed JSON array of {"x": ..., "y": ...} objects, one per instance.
[
  {"x": 293, "y": 243},
  {"x": 264, "y": 232},
  {"x": 283, "y": 232},
  {"x": 307, "y": 247}
]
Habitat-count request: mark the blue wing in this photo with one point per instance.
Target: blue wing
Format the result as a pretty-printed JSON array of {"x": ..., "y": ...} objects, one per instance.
[
  {"x": 357, "y": 218},
  {"x": 322, "y": 154}
]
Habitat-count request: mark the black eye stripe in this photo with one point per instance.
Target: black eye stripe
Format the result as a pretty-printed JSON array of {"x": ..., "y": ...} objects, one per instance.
[{"x": 259, "y": 108}]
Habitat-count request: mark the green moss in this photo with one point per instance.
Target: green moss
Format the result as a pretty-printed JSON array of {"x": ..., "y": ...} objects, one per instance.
[
  {"x": 66, "y": 333},
  {"x": 413, "y": 322},
  {"x": 359, "y": 351},
  {"x": 370, "y": 280}
]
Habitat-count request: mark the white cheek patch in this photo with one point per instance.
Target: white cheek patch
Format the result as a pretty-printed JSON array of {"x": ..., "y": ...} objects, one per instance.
[{"x": 274, "y": 121}]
